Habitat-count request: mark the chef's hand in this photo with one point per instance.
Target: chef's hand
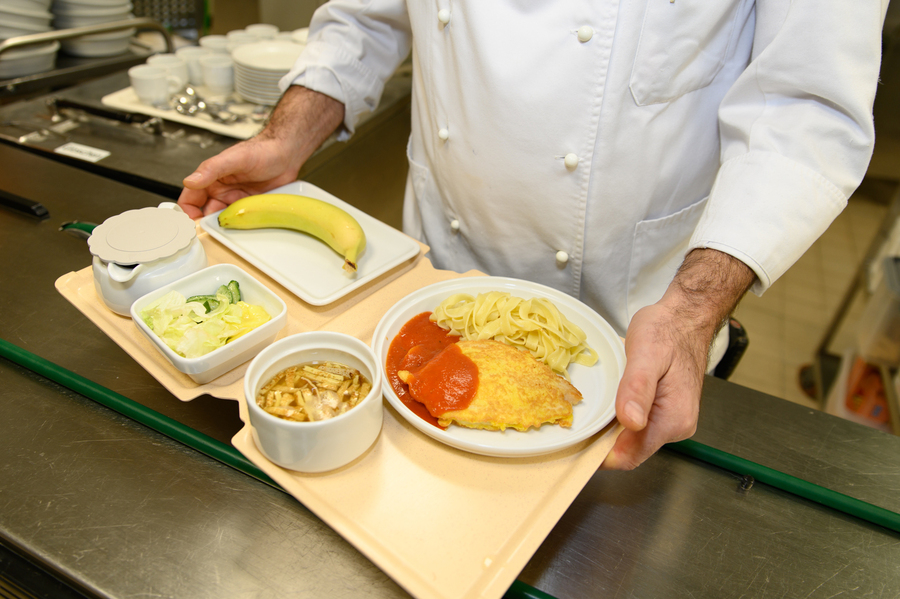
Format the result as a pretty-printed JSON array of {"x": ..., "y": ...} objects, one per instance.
[
  {"x": 301, "y": 121},
  {"x": 666, "y": 347}
]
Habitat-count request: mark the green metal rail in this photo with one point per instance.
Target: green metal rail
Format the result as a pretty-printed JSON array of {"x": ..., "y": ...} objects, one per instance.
[
  {"x": 519, "y": 590},
  {"x": 172, "y": 428}
]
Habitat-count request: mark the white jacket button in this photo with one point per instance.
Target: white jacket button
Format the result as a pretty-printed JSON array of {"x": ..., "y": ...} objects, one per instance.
[
  {"x": 444, "y": 16},
  {"x": 444, "y": 134},
  {"x": 454, "y": 225},
  {"x": 562, "y": 257},
  {"x": 571, "y": 161},
  {"x": 585, "y": 33}
]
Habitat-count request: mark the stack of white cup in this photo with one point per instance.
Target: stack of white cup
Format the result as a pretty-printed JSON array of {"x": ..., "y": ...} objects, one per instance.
[
  {"x": 209, "y": 65},
  {"x": 209, "y": 68},
  {"x": 191, "y": 57}
]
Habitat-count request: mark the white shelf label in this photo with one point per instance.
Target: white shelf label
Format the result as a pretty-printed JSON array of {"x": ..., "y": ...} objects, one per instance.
[{"x": 82, "y": 151}]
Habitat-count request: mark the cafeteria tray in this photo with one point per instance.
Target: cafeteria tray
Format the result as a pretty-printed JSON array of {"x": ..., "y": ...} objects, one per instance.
[{"x": 443, "y": 523}]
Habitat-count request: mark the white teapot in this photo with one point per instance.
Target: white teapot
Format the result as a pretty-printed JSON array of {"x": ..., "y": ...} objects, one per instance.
[{"x": 141, "y": 250}]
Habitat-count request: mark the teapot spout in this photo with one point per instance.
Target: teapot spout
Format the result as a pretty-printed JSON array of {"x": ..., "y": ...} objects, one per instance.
[{"x": 123, "y": 274}]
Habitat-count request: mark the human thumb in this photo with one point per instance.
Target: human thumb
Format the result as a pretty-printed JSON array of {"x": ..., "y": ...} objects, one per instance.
[
  {"x": 635, "y": 395},
  {"x": 634, "y": 413},
  {"x": 195, "y": 180}
]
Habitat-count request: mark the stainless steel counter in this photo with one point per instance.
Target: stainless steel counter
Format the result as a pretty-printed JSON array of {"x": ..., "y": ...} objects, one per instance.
[
  {"x": 156, "y": 156},
  {"x": 118, "y": 510}
]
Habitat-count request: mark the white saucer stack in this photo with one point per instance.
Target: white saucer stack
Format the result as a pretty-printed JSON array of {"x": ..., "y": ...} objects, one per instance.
[
  {"x": 69, "y": 14},
  {"x": 25, "y": 17},
  {"x": 259, "y": 66}
]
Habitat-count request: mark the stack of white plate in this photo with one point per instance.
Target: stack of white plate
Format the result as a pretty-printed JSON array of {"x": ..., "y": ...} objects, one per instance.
[
  {"x": 259, "y": 66},
  {"x": 68, "y": 14},
  {"x": 25, "y": 17}
]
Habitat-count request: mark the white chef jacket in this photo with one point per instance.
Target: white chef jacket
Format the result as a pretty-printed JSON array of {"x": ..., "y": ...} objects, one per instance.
[{"x": 589, "y": 145}]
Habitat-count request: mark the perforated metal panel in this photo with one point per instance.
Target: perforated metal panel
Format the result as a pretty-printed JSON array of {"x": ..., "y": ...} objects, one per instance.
[{"x": 183, "y": 16}]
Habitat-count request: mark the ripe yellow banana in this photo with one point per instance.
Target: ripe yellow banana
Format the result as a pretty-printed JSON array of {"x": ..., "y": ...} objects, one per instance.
[{"x": 320, "y": 219}]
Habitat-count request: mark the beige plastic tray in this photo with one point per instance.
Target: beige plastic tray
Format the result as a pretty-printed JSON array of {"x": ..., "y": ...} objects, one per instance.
[{"x": 386, "y": 503}]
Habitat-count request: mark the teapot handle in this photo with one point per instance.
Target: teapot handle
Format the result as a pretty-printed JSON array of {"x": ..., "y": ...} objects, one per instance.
[
  {"x": 122, "y": 274},
  {"x": 171, "y": 206}
]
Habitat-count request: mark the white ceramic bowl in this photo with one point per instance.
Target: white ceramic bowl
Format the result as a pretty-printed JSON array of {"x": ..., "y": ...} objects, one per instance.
[
  {"x": 12, "y": 15},
  {"x": 231, "y": 355},
  {"x": 14, "y": 28},
  {"x": 27, "y": 4},
  {"x": 69, "y": 4},
  {"x": 93, "y": 10},
  {"x": 71, "y": 22},
  {"x": 99, "y": 44},
  {"x": 28, "y": 60},
  {"x": 326, "y": 444}
]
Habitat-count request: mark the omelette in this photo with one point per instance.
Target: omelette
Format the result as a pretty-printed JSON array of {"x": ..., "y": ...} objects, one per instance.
[{"x": 514, "y": 390}]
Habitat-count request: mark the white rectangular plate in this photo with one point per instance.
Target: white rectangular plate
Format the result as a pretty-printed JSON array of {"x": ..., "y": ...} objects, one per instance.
[{"x": 305, "y": 265}]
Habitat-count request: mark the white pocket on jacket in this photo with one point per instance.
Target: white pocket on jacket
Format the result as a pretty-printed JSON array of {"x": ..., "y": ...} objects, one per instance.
[{"x": 683, "y": 46}]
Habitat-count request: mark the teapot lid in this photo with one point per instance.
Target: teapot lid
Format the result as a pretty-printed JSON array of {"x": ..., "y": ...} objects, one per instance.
[{"x": 142, "y": 235}]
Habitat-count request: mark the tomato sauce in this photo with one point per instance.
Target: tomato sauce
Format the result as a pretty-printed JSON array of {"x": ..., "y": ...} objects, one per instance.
[{"x": 441, "y": 383}]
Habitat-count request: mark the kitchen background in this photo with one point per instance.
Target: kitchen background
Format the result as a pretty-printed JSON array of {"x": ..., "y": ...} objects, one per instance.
[{"x": 809, "y": 324}]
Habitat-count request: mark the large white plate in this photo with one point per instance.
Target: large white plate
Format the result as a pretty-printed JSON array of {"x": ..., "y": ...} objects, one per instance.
[
  {"x": 259, "y": 76},
  {"x": 260, "y": 88},
  {"x": 303, "y": 264},
  {"x": 267, "y": 56},
  {"x": 597, "y": 383},
  {"x": 255, "y": 91}
]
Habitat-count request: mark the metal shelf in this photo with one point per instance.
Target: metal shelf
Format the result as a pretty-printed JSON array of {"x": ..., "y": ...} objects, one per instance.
[{"x": 72, "y": 69}]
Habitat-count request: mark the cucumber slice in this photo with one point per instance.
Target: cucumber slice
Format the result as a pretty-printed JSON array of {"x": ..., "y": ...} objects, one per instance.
[
  {"x": 235, "y": 291},
  {"x": 210, "y": 302},
  {"x": 224, "y": 290}
]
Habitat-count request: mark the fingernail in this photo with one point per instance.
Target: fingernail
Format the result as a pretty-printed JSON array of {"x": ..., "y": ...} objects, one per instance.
[
  {"x": 194, "y": 177},
  {"x": 634, "y": 412}
]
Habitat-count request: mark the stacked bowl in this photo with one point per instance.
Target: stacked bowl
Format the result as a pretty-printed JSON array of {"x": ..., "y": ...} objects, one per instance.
[
  {"x": 25, "y": 17},
  {"x": 259, "y": 66},
  {"x": 69, "y": 14}
]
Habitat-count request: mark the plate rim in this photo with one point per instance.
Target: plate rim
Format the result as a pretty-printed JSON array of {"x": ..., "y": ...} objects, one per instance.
[{"x": 457, "y": 285}]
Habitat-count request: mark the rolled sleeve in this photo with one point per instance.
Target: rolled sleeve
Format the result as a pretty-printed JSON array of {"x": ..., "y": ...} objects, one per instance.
[
  {"x": 766, "y": 211},
  {"x": 353, "y": 49},
  {"x": 796, "y": 131}
]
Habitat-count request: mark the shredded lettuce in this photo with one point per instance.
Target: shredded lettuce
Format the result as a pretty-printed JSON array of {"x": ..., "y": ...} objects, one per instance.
[{"x": 190, "y": 331}]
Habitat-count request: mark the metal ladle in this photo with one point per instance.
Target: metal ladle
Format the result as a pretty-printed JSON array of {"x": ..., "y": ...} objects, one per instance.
[
  {"x": 226, "y": 118},
  {"x": 190, "y": 103}
]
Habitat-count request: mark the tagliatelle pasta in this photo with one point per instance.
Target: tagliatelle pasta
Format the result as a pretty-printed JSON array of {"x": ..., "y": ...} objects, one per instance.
[{"x": 534, "y": 324}]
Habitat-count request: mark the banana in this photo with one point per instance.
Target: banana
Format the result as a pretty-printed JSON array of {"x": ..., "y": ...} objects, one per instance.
[{"x": 320, "y": 219}]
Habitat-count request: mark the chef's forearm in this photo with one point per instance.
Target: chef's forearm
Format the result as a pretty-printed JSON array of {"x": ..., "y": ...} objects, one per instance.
[
  {"x": 303, "y": 120},
  {"x": 706, "y": 290}
]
